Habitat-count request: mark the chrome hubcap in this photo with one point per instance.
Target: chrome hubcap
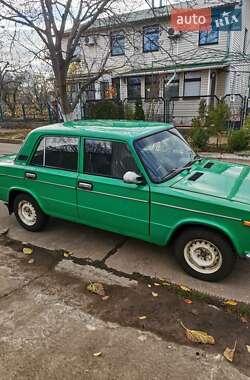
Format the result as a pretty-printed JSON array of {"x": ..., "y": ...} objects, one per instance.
[
  {"x": 27, "y": 213},
  {"x": 203, "y": 256}
]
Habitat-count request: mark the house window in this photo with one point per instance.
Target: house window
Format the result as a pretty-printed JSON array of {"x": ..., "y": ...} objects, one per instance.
[
  {"x": 151, "y": 36},
  {"x": 104, "y": 89},
  {"x": 208, "y": 37},
  {"x": 90, "y": 92},
  {"x": 171, "y": 90},
  {"x": 117, "y": 42},
  {"x": 116, "y": 88},
  {"x": 108, "y": 159},
  {"x": 192, "y": 84},
  {"x": 57, "y": 152},
  {"x": 152, "y": 86},
  {"x": 245, "y": 43},
  {"x": 134, "y": 87}
]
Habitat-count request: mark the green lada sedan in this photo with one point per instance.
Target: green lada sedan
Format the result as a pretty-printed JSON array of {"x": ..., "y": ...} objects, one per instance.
[{"x": 135, "y": 178}]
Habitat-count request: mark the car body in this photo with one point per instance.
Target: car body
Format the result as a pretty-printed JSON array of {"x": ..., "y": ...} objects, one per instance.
[{"x": 102, "y": 176}]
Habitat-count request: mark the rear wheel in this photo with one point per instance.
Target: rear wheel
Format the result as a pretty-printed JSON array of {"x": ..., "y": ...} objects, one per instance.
[
  {"x": 28, "y": 213},
  {"x": 205, "y": 254}
]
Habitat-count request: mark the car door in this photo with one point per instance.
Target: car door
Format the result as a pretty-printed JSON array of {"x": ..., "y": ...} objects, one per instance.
[
  {"x": 104, "y": 200},
  {"x": 52, "y": 175}
]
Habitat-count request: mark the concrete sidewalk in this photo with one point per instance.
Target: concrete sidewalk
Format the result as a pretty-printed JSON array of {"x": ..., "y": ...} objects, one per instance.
[{"x": 46, "y": 334}]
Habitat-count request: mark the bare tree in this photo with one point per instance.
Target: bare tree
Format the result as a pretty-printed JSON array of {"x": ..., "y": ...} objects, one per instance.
[{"x": 50, "y": 21}]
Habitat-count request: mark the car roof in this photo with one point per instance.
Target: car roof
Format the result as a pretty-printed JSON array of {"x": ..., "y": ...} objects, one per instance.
[{"x": 114, "y": 129}]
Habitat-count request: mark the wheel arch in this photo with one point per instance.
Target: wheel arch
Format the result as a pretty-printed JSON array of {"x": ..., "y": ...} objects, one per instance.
[
  {"x": 13, "y": 194},
  {"x": 203, "y": 225}
]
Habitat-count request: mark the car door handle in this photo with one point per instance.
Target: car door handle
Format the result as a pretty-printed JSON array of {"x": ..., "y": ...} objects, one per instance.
[
  {"x": 30, "y": 175},
  {"x": 85, "y": 186}
]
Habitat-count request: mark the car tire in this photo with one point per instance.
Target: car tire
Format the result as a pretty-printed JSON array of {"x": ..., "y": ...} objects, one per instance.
[
  {"x": 205, "y": 254},
  {"x": 28, "y": 213}
]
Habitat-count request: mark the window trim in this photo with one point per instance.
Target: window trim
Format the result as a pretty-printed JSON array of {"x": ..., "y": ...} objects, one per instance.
[
  {"x": 109, "y": 140},
  {"x": 191, "y": 80},
  {"x": 111, "y": 43},
  {"x": 208, "y": 43},
  {"x": 143, "y": 36},
  {"x": 44, "y": 148}
]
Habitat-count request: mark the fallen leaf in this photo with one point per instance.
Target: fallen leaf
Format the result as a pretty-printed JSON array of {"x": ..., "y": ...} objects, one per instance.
[
  {"x": 156, "y": 284},
  {"x": 142, "y": 317},
  {"x": 96, "y": 288},
  {"x": 149, "y": 286},
  {"x": 185, "y": 288},
  {"x": 67, "y": 254},
  {"x": 198, "y": 336},
  {"x": 243, "y": 319},
  {"x": 248, "y": 348},
  {"x": 188, "y": 301},
  {"x": 229, "y": 353},
  {"x": 105, "y": 298},
  {"x": 97, "y": 354},
  {"x": 154, "y": 294},
  {"x": 230, "y": 303},
  {"x": 166, "y": 284},
  {"x": 31, "y": 261},
  {"x": 27, "y": 251}
]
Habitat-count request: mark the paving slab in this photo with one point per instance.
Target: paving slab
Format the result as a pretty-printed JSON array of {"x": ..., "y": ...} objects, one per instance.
[
  {"x": 150, "y": 260},
  {"x": 83, "y": 241}
]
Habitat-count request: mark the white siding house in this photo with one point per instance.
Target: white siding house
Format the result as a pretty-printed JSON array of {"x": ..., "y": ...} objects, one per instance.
[{"x": 140, "y": 56}]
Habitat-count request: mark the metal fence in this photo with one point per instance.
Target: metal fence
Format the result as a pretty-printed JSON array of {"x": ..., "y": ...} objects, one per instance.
[
  {"x": 30, "y": 112},
  {"x": 154, "y": 108}
]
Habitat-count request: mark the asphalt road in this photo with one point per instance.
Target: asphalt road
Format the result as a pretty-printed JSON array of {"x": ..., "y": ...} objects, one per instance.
[{"x": 123, "y": 254}]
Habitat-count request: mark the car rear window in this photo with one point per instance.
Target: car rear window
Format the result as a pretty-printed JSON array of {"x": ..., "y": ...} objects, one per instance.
[{"x": 57, "y": 152}]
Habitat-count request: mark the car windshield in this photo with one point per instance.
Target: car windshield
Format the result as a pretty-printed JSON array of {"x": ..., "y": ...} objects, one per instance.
[{"x": 164, "y": 153}]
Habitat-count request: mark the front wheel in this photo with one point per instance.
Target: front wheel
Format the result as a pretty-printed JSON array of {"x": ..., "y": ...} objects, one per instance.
[
  {"x": 28, "y": 213},
  {"x": 205, "y": 254}
]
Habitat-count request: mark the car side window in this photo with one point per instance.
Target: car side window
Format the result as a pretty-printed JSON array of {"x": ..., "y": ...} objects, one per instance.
[
  {"x": 108, "y": 158},
  {"x": 57, "y": 152}
]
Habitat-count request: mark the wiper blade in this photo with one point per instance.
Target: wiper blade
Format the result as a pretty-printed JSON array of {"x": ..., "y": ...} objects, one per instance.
[{"x": 176, "y": 171}]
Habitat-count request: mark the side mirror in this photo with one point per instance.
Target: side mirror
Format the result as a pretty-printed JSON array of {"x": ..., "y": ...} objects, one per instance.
[{"x": 133, "y": 178}]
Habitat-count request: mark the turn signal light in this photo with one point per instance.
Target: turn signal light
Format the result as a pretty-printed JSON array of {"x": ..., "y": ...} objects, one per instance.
[{"x": 246, "y": 223}]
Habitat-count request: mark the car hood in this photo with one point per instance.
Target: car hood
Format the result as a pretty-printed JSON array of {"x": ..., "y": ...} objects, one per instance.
[
  {"x": 218, "y": 179},
  {"x": 7, "y": 158}
]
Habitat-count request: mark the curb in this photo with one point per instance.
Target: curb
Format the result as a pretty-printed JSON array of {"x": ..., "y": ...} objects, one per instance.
[{"x": 11, "y": 141}]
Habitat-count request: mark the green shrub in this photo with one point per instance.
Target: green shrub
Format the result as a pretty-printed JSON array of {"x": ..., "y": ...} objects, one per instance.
[
  {"x": 199, "y": 136},
  {"x": 238, "y": 140},
  {"x": 247, "y": 123},
  {"x": 139, "y": 112},
  {"x": 128, "y": 111},
  {"x": 105, "y": 109}
]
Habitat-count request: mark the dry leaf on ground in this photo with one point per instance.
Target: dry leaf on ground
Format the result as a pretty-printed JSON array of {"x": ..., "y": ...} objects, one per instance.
[
  {"x": 154, "y": 294},
  {"x": 156, "y": 284},
  {"x": 185, "y": 288},
  {"x": 198, "y": 336},
  {"x": 149, "y": 286},
  {"x": 96, "y": 288},
  {"x": 105, "y": 298},
  {"x": 248, "y": 348},
  {"x": 27, "y": 251},
  {"x": 67, "y": 254},
  {"x": 142, "y": 317},
  {"x": 187, "y": 301},
  {"x": 230, "y": 303},
  {"x": 229, "y": 352},
  {"x": 243, "y": 319},
  {"x": 97, "y": 354}
]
